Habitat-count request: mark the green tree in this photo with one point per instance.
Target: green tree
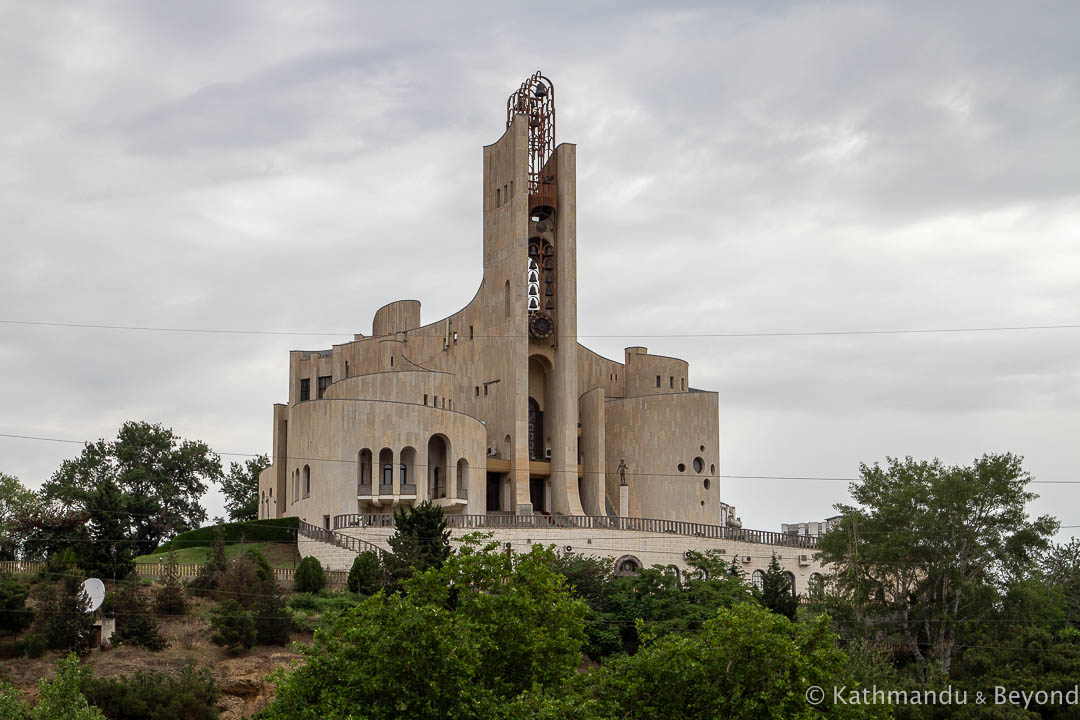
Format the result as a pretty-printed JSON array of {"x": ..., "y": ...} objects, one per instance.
[
  {"x": 233, "y": 625},
  {"x": 309, "y": 576},
  {"x": 108, "y": 553},
  {"x": 462, "y": 641},
  {"x": 62, "y": 699},
  {"x": 366, "y": 575},
  {"x": 420, "y": 541},
  {"x": 160, "y": 478},
  {"x": 14, "y": 615},
  {"x": 240, "y": 486},
  {"x": 746, "y": 662},
  {"x": 777, "y": 593},
  {"x": 170, "y": 598},
  {"x": 924, "y": 541},
  {"x": 135, "y": 624},
  {"x": 15, "y": 500},
  {"x": 67, "y": 621}
]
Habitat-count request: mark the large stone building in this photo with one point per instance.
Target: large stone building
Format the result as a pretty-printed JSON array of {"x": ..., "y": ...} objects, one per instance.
[{"x": 497, "y": 413}]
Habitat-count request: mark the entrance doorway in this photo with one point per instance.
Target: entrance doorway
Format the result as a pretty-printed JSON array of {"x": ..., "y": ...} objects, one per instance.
[
  {"x": 494, "y": 486},
  {"x": 536, "y": 494}
]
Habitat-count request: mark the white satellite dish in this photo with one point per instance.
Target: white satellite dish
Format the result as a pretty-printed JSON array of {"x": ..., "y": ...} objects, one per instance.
[{"x": 94, "y": 589}]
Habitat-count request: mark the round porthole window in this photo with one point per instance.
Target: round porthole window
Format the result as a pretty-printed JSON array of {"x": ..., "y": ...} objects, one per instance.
[
  {"x": 702, "y": 448},
  {"x": 682, "y": 467},
  {"x": 699, "y": 465},
  {"x": 712, "y": 469},
  {"x": 706, "y": 483}
]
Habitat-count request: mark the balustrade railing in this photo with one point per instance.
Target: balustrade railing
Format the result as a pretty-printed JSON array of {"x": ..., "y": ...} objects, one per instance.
[
  {"x": 343, "y": 541},
  {"x": 593, "y": 522}
]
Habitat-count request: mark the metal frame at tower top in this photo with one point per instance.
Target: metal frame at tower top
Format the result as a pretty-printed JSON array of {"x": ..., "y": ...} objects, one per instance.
[{"x": 536, "y": 100}]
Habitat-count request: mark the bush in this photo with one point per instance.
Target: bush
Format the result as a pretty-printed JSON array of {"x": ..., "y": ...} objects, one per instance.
[
  {"x": 191, "y": 695},
  {"x": 62, "y": 699},
  {"x": 170, "y": 599},
  {"x": 234, "y": 626},
  {"x": 135, "y": 624},
  {"x": 14, "y": 615},
  {"x": 272, "y": 530},
  {"x": 309, "y": 577},
  {"x": 273, "y": 621},
  {"x": 67, "y": 622},
  {"x": 366, "y": 575},
  {"x": 34, "y": 645},
  {"x": 210, "y": 575}
]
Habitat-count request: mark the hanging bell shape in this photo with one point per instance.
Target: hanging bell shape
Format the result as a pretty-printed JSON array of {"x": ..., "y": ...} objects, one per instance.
[{"x": 540, "y": 90}]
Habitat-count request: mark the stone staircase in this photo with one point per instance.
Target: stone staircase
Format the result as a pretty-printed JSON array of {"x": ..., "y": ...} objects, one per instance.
[{"x": 334, "y": 551}]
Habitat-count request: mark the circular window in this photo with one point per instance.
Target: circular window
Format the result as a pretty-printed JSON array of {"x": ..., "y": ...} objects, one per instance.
[
  {"x": 682, "y": 468},
  {"x": 706, "y": 483},
  {"x": 702, "y": 503},
  {"x": 699, "y": 465},
  {"x": 712, "y": 469},
  {"x": 702, "y": 448}
]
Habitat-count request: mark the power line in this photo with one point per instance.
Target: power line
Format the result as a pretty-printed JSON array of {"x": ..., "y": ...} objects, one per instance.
[
  {"x": 350, "y": 461},
  {"x": 763, "y": 334}
]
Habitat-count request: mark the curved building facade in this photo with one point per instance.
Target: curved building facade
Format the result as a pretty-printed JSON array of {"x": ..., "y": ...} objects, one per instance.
[{"x": 498, "y": 409}]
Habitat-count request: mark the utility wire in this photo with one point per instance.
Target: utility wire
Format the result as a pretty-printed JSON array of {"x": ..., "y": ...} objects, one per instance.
[
  {"x": 687, "y": 474},
  {"x": 783, "y": 333}
]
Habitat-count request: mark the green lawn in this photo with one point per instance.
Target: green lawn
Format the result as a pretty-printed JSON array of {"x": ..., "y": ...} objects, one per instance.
[{"x": 279, "y": 555}]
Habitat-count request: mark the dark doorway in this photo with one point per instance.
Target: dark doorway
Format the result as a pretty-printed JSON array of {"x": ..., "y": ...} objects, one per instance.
[
  {"x": 536, "y": 431},
  {"x": 494, "y": 485},
  {"x": 536, "y": 494}
]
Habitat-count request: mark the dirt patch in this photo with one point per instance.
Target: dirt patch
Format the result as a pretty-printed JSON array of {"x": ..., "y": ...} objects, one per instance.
[{"x": 240, "y": 677}]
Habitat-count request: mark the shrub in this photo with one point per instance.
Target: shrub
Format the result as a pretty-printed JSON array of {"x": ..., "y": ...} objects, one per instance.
[
  {"x": 272, "y": 618},
  {"x": 170, "y": 598},
  {"x": 12, "y": 706},
  {"x": 309, "y": 577},
  {"x": 234, "y": 626},
  {"x": 67, "y": 622},
  {"x": 272, "y": 530},
  {"x": 62, "y": 699},
  {"x": 210, "y": 575},
  {"x": 14, "y": 615},
  {"x": 135, "y": 624},
  {"x": 34, "y": 645},
  {"x": 366, "y": 575},
  {"x": 191, "y": 695}
]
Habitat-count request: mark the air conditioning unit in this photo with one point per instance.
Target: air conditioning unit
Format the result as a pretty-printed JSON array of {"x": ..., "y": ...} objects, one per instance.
[
  {"x": 547, "y": 453},
  {"x": 746, "y": 558},
  {"x": 492, "y": 452},
  {"x": 804, "y": 560}
]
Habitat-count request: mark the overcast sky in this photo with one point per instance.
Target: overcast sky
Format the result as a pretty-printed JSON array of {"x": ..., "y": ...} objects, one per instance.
[{"x": 750, "y": 167}]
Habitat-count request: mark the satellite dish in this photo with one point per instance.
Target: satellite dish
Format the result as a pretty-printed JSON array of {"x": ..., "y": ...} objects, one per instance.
[{"x": 94, "y": 589}]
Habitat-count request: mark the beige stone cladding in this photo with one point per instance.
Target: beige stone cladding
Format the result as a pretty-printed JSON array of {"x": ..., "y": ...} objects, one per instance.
[
  {"x": 644, "y": 548},
  {"x": 670, "y": 444},
  {"x": 418, "y": 444}
]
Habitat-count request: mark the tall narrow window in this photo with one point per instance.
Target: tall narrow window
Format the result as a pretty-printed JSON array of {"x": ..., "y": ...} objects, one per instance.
[
  {"x": 506, "y": 299},
  {"x": 324, "y": 382},
  {"x": 470, "y": 332},
  {"x": 671, "y": 382},
  {"x": 305, "y": 389},
  {"x": 657, "y": 381},
  {"x": 387, "y": 474}
]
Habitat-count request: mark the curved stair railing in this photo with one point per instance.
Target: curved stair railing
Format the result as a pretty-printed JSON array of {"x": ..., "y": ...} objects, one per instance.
[{"x": 347, "y": 542}]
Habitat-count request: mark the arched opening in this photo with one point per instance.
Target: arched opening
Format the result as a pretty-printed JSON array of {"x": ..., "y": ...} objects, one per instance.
[
  {"x": 307, "y": 481},
  {"x": 539, "y": 400},
  {"x": 816, "y": 586},
  {"x": 508, "y": 448},
  {"x": 463, "y": 479},
  {"x": 627, "y": 565},
  {"x": 758, "y": 579},
  {"x": 790, "y": 577},
  {"x": 407, "y": 469},
  {"x": 386, "y": 471},
  {"x": 506, "y": 300},
  {"x": 438, "y": 451},
  {"x": 363, "y": 472}
]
